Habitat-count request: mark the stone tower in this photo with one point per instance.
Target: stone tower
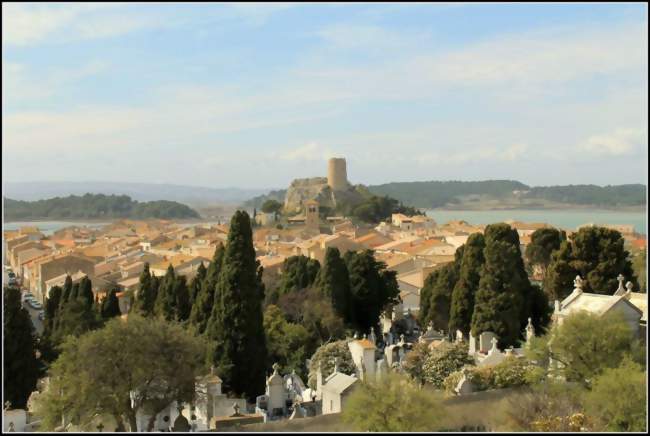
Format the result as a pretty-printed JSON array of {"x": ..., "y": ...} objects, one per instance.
[
  {"x": 311, "y": 215},
  {"x": 337, "y": 177}
]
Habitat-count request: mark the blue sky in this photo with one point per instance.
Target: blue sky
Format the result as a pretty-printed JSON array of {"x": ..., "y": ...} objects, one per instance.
[{"x": 254, "y": 95}]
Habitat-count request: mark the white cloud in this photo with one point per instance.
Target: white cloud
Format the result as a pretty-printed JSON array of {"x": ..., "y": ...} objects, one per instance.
[{"x": 618, "y": 143}]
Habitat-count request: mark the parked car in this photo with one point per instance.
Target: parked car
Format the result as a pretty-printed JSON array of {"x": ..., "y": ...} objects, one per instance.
[{"x": 37, "y": 305}]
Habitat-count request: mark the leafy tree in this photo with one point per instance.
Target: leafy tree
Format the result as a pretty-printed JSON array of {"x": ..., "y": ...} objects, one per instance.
[
  {"x": 75, "y": 318},
  {"x": 111, "y": 306},
  {"x": 271, "y": 206},
  {"x": 372, "y": 286},
  {"x": 393, "y": 404},
  {"x": 463, "y": 294},
  {"x": 542, "y": 243},
  {"x": 585, "y": 344},
  {"x": 298, "y": 272},
  {"x": 334, "y": 283},
  {"x": 437, "y": 290},
  {"x": 287, "y": 343},
  {"x": 126, "y": 374},
  {"x": 414, "y": 361},
  {"x": 598, "y": 255},
  {"x": 147, "y": 293},
  {"x": 617, "y": 399},
  {"x": 236, "y": 325},
  {"x": 320, "y": 319},
  {"x": 500, "y": 302},
  {"x": 204, "y": 302},
  {"x": 21, "y": 367},
  {"x": 446, "y": 358},
  {"x": 325, "y": 356}
]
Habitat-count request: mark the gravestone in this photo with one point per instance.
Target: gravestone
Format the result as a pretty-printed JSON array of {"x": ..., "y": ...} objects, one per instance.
[{"x": 485, "y": 341}]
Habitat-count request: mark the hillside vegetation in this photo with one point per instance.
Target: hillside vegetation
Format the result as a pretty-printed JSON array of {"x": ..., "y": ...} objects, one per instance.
[
  {"x": 91, "y": 206},
  {"x": 510, "y": 193}
]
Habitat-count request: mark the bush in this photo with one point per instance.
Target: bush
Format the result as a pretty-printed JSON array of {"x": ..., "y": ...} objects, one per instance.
[
  {"x": 443, "y": 360},
  {"x": 510, "y": 373},
  {"x": 326, "y": 355}
]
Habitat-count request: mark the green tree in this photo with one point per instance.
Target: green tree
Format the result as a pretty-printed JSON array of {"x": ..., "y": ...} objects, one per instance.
[
  {"x": 333, "y": 282},
  {"x": 298, "y": 272},
  {"x": 393, "y": 404},
  {"x": 182, "y": 299},
  {"x": 415, "y": 360},
  {"x": 202, "y": 307},
  {"x": 52, "y": 303},
  {"x": 21, "y": 367},
  {"x": 598, "y": 255},
  {"x": 500, "y": 302},
  {"x": 463, "y": 295},
  {"x": 542, "y": 244},
  {"x": 86, "y": 291},
  {"x": 67, "y": 290},
  {"x": 126, "y": 374},
  {"x": 74, "y": 294},
  {"x": 75, "y": 318},
  {"x": 271, "y": 206},
  {"x": 236, "y": 325},
  {"x": 437, "y": 290},
  {"x": 110, "y": 306},
  {"x": 288, "y": 343},
  {"x": 147, "y": 293},
  {"x": 196, "y": 282},
  {"x": 585, "y": 344},
  {"x": 165, "y": 306},
  {"x": 640, "y": 267},
  {"x": 372, "y": 286},
  {"x": 617, "y": 399}
]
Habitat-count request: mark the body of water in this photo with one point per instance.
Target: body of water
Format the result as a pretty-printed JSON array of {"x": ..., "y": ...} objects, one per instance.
[
  {"x": 564, "y": 219},
  {"x": 49, "y": 227}
]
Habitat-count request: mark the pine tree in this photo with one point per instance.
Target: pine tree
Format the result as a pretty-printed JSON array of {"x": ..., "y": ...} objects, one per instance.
[
  {"x": 298, "y": 272},
  {"x": 202, "y": 307},
  {"x": 334, "y": 283},
  {"x": 21, "y": 367},
  {"x": 462, "y": 297},
  {"x": 111, "y": 306},
  {"x": 165, "y": 305},
  {"x": 86, "y": 291},
  {"x": 147, "y": 293},
  {"x": 236, "y": 325},
  {"x": 598, "y": 255}
]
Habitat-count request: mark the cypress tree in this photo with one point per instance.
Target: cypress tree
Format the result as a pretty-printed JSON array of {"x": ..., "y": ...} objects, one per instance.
[
  {"x": 182, "y": 296},
  {"x": 111, "y": 306},
  {"x": 67, "y": 290},
  {"x": 202, "y": 307},
  {"x": 236, "y": 326},
  {"x": 146, "y": 296},
  {"x": 74, "y": 294},
  {"x": 543, "y": 242},
  {"x": 298, "y": 272},
  {"x": 437, "y": 290},
  {"x": 196, "y": 282},
  {"x": 165, "y": 305},
  {"x": 334, "y": 283},
  {"x": 462, "y": 297},
  {"x": 500, "y": 304},
  {"x": 86, "y": 291},
  {"x": 51, "y": 310},
  {"x": 21, "y": 367}
]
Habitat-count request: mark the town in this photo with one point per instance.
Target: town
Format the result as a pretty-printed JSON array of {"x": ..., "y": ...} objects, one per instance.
[{"x": 364, "y": 331}]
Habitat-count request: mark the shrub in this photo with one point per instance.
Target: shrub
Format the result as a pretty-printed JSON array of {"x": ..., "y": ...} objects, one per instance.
[{"x": 443, "y": 360}]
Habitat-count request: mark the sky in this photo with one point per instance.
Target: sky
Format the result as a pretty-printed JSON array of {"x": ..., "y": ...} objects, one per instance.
[{"x": 254, "y": 95}]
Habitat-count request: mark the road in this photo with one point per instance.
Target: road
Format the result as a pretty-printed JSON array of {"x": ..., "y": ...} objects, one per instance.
[{"x": 33, "y": 313}]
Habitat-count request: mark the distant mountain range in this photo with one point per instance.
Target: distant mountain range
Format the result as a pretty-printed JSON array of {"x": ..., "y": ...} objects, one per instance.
[{"x": 191, "y": 195}]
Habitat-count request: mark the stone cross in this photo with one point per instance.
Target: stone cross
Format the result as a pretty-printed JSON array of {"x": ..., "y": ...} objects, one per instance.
[
  {"x": 620, "y": 279},
  {"x": 402, "y": 339},
  {"x": 100, "y": 427},
  {"x": 530, "y": 330},
  {"x": 629, "y": 286},
  {"x": 495, "y": 341},
  {"x": 235, "y": 408},
  {"x": 275, "y": 368},
  {"x": 336, "y": 364}
]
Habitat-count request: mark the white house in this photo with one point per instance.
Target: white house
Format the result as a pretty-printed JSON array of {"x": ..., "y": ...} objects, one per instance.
[{"x": 336, "y": 390}]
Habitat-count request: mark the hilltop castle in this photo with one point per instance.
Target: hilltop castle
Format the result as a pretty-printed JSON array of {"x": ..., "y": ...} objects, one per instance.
[{"x": 328, "y": 191}]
